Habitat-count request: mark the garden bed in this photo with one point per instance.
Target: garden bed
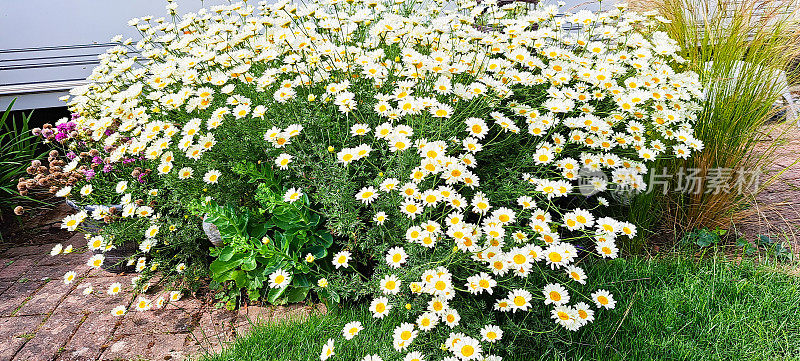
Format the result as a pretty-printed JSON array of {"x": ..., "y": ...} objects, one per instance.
[{"x": 446, "y": 182}]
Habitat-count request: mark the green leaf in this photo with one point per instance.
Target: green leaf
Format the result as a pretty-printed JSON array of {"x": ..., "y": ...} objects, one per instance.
[
  {"x": 258, "y": 230},
  {"x": 301, "y": 280},
  {"x": 239, "y": 277},
  {"x": 765, "y": 240},
  {"x": 253, "y": 294},
  {"x": 297, "y": 241},
  {"x": 290, "y": 216},
  {"x": 325, "y": 238},
  {"x": 313, "y": 220},
  {"x": 705, "y": 238},
  {"x": 226, "y": 253},
  {"x": 296, "y": 294},
  {"x": 279, "y": 210},
  {"x": 255, "y": 281},
  {"x": 220, "y": 266},
  {"x": 275, "y": 293},
  {"x": 316, "y": 250},
  {"x": 273, "y": 266},
  {"x": 249, "y": 263},
  {"x": 286, "y": 226},
  {"x": 228, "y": 220},
  {"x": 279, "y": 240},
  {"x": 301, "y": 268},
  {"x": 782, "y": 252},
  {"x": 333, "y": 296},
  {"x": 742, "y": 242},
  {"x": 230, "y": 305}
]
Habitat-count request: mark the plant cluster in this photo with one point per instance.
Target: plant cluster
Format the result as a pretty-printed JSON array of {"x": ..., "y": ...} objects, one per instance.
[
  {"x": 271, "y": 248},
  {"x": 743, "y": 52},
  {"x": 444, "y": 155},
  {"x": 17, "y": 147}
]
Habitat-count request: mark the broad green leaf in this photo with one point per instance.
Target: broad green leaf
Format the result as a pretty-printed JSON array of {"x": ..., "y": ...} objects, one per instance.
[
  {"x": 249, "y": 263},
  {"x": 296, "y": 294},
  {"x": 274, "y": 294},
  {"x": 258, "y": 230},
  {"x": 219, "y": 266},
  {"x": 313, "y": 220},
  {"x": 254, "y": 294},
  {"x": 301, "y": 280},
  {"x": 325, "y": 237},
  {"x": 316, "y": 250},
  {"x": 226, "y": 253}
]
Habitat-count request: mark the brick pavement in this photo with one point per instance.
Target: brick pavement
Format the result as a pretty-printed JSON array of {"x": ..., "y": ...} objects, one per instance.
[
  {"x": 41, "y": 318},
  {"x": 775, "y": 211}
]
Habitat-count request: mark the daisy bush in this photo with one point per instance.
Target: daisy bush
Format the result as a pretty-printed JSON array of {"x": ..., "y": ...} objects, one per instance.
[{"x": 459, "y": 155}]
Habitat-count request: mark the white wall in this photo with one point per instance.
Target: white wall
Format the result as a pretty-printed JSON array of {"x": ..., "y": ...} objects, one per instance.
[{"x": 62, "y": 38}]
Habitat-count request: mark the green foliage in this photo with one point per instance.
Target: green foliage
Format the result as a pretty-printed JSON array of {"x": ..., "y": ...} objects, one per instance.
[
  {"x": 277, "y": 235},
  {"x": 771, "y": 248},
  {"x": 17, "y": 148},
  {"x": 703, "y": 237}
]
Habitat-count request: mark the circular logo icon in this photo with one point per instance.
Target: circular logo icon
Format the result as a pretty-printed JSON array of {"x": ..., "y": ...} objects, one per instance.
[{"x": 591, "y": 181}]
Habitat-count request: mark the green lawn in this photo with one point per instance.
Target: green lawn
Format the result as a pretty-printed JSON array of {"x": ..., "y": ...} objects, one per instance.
[{"x": 677, "y": 309}]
